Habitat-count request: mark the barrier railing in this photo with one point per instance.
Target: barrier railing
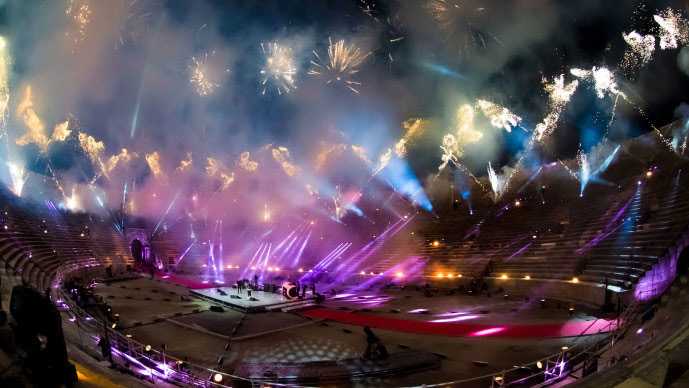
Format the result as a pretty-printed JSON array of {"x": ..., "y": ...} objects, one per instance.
[
  {"x": 141, "y": 359},
  {"x": 558, "y": 366},
  {"x": 153, "y": 364}
]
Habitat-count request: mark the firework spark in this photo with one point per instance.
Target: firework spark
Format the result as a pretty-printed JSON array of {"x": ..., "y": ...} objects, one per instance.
[
  {"x": 584, "y": 166},
  {"x": 464, "y": 134},
  {"x": 497, "y": 182},
  {"x": 123, "y": 157},
  {"x": 18, "y": 177},
  {"x": 334, "y": 150},
  {"x": 94, "y": 151},
  {"x": 383, "y": 161},
  {"x": 499, "y": 116},
  {"x": 282, "y": 156},
  {"x": 327, "y": 153},
  {"x": 35, "y": 130},
  {"x": 5, "y": 62},
  {"x": 79, "y": 11},
  {"x": 342, "y": 64},
  {"x": 204, "y": 74},
  {"x": 639, "y": 52},
  {"x": 569, "y": 170},
  {"x": 226, "y": 180},
  {"x": 246, "y": 163},
  {"x": 186, "y": 163},
  {"x": 61, "y": 132},
  {"x": 559, "y": 95},
  {"x": 91, "y": 146},
  {"x": 280, "y": 69},
  {"x": 153, "y": 161},
  {"x": 603, "y": 81},
  {"x": 72, "y": 202},
  {"x": 340, "y": 211},
  {"x": 412, "y": 129},
  {"x": 216, "y": 169},
  {"x": 674, "y": 29},
  {"x": 451, "y": 151},
  {"x": 360, "y": 152}
]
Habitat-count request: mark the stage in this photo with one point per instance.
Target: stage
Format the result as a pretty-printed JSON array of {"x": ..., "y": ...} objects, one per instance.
[{"x": 258, "y": 302}]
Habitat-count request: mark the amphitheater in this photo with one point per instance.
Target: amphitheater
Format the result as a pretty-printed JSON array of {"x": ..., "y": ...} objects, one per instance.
[{"x": 544, "y": 287}]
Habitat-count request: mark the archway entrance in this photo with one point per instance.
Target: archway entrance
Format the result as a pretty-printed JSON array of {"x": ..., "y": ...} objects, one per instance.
[{"x": 137, "y": 249}]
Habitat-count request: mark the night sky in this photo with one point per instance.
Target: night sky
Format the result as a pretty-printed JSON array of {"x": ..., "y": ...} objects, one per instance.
[{"x": 127, "y": 81}]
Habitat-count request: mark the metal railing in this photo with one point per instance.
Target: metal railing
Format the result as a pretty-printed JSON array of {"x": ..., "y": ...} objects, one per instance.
[
  {"x": 154, "y": 364},
  {"x": 557, "y": 366},
  {"x": 141, "y": 359}
]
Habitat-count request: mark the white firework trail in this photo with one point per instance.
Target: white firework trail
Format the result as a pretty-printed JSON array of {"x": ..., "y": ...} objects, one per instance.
[
  {"x": 497, "y": 183},
  {"x": 569, "y": 170},
  {"x": 559, "y": 95},
  {"x": 18, "y": 177}
]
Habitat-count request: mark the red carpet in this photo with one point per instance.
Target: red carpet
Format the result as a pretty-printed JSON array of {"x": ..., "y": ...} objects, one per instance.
[
  {"x": 187, "y": 282},
  {"x": 545, "y": 330}
]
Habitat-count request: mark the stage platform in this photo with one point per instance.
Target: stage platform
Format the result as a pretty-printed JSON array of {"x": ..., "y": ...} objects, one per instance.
[{"x": 258, "y": 302}]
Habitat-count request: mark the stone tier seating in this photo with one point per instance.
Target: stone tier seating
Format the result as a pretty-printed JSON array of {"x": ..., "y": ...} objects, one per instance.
[
  {"x": 615, "y": 232},
  {"x": 38, "y": 243}
]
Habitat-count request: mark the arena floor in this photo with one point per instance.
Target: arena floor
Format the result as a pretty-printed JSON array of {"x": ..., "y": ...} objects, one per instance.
[{"x": 158, "y": 312}]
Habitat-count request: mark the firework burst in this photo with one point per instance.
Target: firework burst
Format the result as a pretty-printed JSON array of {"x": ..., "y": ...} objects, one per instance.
[
  {"x": 35, "y": 129},
  {"x": 603, "y": 81},
  {"x": 559, "y": 95},
  {"x": 328, "y": 152},
  {"x": 17, "y": 177},
  {"x": 246, "y": 163},
  {"x": 412, "y": 129},
  {"x": 342, "y": 65},
  {"x": 499, "y": 116},
  {"x": 674, "y": 29},
  {"x": 453, "y": 144},
  {"x": 61, "y": 132},
  {"x": 94, "y": 150},
  {"x": 72, "y": 202},
  {"x": 124, "y": 157},
  {"x": 186, "y": 163},
  {"x": 639, "y": 52},
  {"x": 498, "y": 183},
  {"x": 279, "y": 69},
  {"x": 153, "y": 161},
  {"x": 216, "y": 169},
  {"x": 205, "y": 74},
  {"x": 282, "y": 156}
]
